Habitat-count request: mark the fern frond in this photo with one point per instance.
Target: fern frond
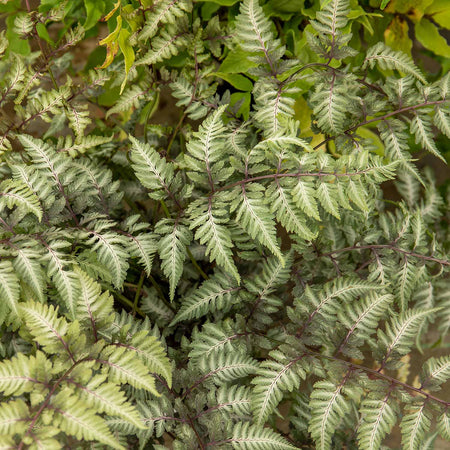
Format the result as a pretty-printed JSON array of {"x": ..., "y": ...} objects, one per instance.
[
  {"x": 154, "y": 306},
  {"x": 94, "y": 308},
  {"x": 255, "y": 34},
  {"x": 415, "y": 426},
  {"x": 286, "y": 210},
  {"x": 167, "y": 44},
  {"x": 143, "y": 247},
  {"x": 332, "y": 17},
  {"x": 36, "y": 183},
  {"x": 66, "y": 281},
  {"x": 14, "y": 417},
  {"x": 252, "y": 437},
  {"x": 435, "y": 372},
  {"x": 175, "y": 236},
  {"x": 79, "y": 119},
  {"x": 401, "y": 331},
  {"x": 327, "y": 300},
  {"x": 76, "y": 419},
  {"x": 216, "y": 293},
  {"x": 164, "y": 12},
  {"x": 111, "y": 249},
  {"x": 207, "y": 147},
  {"x": 328, "y": 407},
  {"x": 273, "y": 102},
  {"x": 255, "y": 217},
  {"x": 443, "y": 425},
  {"x": 226, "y": 368},
  {"x": 441, "y": 119},
  {"x": 327, "y": 195},
  {"x": 362, "y": 317},
  {"x": 330, "y": 102},
  {"x": 45, "y": 102},
  {"x": 304, "y": 194},
  {"x": 387, "y": 58},
  {"x": 17, "y": 375},
  {"x": 107, "y": 397},
  {"x": 152, "y": 171},
  {"x": 213, "y": 339},
  {"x": 130, "y": 98},
  {"x": 14, "y": 193},
  {"x": 183, "y": 90},
  {"x": 9, "y": 291},
  {"x": 378, "y": 418},
  {"x": 421, "y": 127},
  {"x": 152, "y": 353},
  {"x": 126, "y": 367},
  {"x": 44, "y": 157},
  {"x": 14, "y": 76},
  {"x": 208, "y": 216},
  {"x": 45, "y": 326},
  {"x": 274, "y": 377},
  {"x": 232, "y": 400},
  {"x": 406, "y": 278}
]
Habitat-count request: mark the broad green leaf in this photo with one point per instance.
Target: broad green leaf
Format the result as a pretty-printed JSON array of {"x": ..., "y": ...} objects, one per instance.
[
  {"x": 94, "y": 11},
  {"x": 428, "y": 35}
]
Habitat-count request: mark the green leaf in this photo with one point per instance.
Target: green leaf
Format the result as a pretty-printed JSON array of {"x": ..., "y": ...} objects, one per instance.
[
  {"x": 238, "y": 81},
  {"x": 94, "y": 11},
  {"x": 440, "y": 13},
  {"x": 236, "y": 62},
  {"x": 128, "y": 54},
  {"x": 428, "y": 35},
  {"x": 45, "y": 326},
  {"x": 221, "y": 2}
]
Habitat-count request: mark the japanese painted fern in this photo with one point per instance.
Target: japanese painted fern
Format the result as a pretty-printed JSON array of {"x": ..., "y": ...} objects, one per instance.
[{"x": 225, "y": 282}]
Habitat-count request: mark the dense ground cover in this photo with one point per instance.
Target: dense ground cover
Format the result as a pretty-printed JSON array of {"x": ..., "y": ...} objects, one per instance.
[{"x": 224, "y": 224}]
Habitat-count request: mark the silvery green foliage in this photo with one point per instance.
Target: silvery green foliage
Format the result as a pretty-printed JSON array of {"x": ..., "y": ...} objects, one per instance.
[{"x": 160, "y": 283}]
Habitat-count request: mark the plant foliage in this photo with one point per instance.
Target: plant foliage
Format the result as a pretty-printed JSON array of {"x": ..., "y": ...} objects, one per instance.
[{"x": 259, "y": 273}]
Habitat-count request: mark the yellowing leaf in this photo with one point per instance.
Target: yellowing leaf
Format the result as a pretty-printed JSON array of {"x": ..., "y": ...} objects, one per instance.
[
  {"x": 396, "y": 35},
  {"x": 414, "y": 9},
  {"x": 111, "y": 13},
  {"x": 112, "y": 44}
]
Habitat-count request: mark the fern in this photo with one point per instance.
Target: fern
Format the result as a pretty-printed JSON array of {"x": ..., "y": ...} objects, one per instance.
[
  {"x": 214, "y": 294},
  {"x": 252, "y": 437},
  {"x": 225, "y": 234},
  {"x": 328, "y": 406},
  {"x": 389, "y": 59},
  {"x": 379, "y": 417},
  {"x": 272, "y": 378}
]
